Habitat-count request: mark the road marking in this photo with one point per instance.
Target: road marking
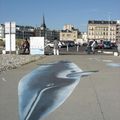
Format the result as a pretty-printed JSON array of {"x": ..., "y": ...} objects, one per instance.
[
  {"x": 107, "y": 60},
  {"x": 114, "y": 64},
  {"x": 3, "y": 79},
  {"x": 107, "y": 52}
]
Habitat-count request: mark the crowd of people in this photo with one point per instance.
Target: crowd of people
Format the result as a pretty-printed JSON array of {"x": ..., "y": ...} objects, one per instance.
[{"x": 91, "y": 46}]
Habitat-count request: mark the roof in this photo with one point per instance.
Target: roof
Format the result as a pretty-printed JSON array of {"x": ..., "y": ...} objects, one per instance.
[{"x": 101, "y": 22}]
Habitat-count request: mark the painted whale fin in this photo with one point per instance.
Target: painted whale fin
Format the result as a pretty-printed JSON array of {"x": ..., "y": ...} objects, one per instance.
[
  {"x": 87, "y": 73},
  {"x": 82, "y": 74}
]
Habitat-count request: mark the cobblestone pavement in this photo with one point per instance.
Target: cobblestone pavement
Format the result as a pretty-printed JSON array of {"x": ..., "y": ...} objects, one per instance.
[{"x": 13, "y": 61}]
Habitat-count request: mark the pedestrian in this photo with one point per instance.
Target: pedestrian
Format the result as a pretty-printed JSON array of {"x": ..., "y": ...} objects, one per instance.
[
  {"x": 93, "y": 45},
  {"x": 26, "y": 46},
  {"x": 88, "y": 47},
  {"x": 56, "y": 47},
  {"x": 118, "y": 47}
]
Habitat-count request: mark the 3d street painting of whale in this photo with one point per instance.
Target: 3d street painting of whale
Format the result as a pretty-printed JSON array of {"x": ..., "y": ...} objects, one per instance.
[{"x": 46, "y": 88}]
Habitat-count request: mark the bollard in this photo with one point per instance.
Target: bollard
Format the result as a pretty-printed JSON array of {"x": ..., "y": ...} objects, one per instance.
[
  {"x": 17, "y": 52},
  {"x": 3, "y": 52},
  {"x": 67, "y": 48},
  {"x": 77, "y": 48},
  {"x": 116, "y": 54}
]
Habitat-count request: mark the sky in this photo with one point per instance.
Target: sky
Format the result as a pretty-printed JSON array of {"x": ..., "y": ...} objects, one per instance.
[{"x": 57, "y": 13}]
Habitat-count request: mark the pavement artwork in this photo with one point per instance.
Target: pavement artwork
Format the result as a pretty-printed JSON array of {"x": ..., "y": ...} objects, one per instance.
[
  {"x": 46, "y": 88},
  {"x": 114, "y": 65},
  {"x": 108, "y": 62}
]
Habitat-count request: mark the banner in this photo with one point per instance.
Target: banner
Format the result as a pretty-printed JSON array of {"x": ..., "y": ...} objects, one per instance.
[{"x": 37, "y": 45}]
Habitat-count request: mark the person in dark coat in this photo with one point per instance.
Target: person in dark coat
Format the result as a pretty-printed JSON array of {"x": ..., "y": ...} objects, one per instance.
[{"x": 26, "y": 46}]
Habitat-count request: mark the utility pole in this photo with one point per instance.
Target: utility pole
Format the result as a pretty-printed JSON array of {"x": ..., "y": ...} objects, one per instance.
[
  {"x": 109, "y": 27},
  {"x": 23, "y": 32},
  {"x": 10, "y": 39}
]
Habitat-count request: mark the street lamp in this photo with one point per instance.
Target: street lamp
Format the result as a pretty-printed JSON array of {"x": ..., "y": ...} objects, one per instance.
[{"x": 23, "y": 32}]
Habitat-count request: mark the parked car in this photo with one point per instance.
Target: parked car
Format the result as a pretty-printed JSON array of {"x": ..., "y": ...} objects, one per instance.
[
  {"x": 113, "y": 44},
  {"x": 100, "y": 46},
  {"x": 107, "y": 45},
  {"x": 50, "y": 44},
  {"x": 61, "y": 44},
  {"x": 69, "y": 43}
]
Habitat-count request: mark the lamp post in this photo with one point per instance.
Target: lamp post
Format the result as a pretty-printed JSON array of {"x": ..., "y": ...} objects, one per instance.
[
  {"x": 109, "y": 27},
  {"x": 10, "y": 38},
  {"x": 23, "y": 32}
]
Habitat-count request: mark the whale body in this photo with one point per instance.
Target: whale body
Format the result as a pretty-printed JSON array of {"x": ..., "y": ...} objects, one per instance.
[{"x": 46, "y": 88}]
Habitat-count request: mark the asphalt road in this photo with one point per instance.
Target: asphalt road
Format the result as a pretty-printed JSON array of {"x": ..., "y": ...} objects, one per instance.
[{"x": 96, "y": 97}]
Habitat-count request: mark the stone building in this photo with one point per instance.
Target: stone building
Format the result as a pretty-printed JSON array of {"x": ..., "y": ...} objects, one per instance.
[
  {"x": 2, "y": 31},
  {"x": 69, "y": 33},
  {"x": 23, "y": 32},
  {"x": 102, "y": 30},
  {"x": 118, "y": 31}
]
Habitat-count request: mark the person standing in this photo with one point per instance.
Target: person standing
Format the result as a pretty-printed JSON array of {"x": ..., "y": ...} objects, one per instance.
[
  {"x": 93, "y": 45},
  {"x": 26, "y": 46},
  {"x": 56, "y": 47},
  {"x": 118, "y": 47}
]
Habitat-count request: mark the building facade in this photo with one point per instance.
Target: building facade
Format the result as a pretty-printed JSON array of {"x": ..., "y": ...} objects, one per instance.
[
  {"x": 2, "y": 31},
  {"x": 69, "y": 33},
  {"x": 84, "y": 37},
  {"x": 102, "y": 30},
  {"x": 68, "y": 27},
  {"x": 49, "y": 35},
  {"x": 118, "y": 31},
  {"x": 23, "y": 32},
  {"x": 53, "y": 34}
]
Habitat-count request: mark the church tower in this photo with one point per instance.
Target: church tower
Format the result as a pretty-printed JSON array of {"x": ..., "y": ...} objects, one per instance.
[
  {"x": 43, "y": 25},
  {"x": 43, "y": 28}
]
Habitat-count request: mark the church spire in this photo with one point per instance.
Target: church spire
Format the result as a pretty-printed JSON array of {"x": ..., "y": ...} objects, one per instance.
[{"x": 43, "y": 23}]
